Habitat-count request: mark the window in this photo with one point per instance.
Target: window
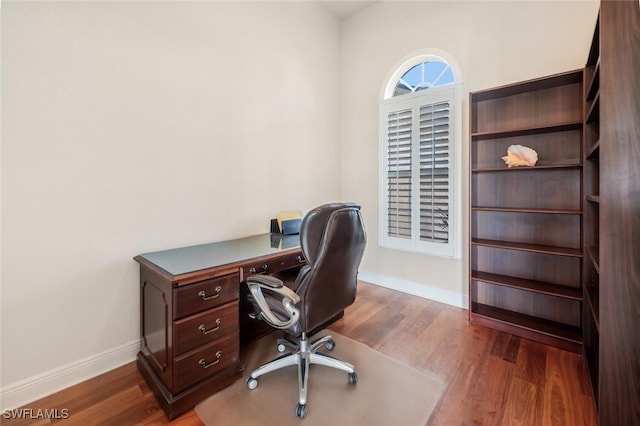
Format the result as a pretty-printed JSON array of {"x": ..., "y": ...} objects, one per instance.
[
  {"x": 424, "y": 76},
  {"x": 419, "y": 167}
]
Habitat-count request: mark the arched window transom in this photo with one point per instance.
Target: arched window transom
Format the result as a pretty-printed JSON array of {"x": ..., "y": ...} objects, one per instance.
[{"x": 425, "y": 75}]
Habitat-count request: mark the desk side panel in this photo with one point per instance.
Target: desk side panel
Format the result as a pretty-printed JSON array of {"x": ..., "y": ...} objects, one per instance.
[{"x": 155, "y": 322}]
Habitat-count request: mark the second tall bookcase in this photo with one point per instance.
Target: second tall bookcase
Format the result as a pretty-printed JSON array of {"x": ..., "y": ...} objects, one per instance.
[
  {"x": 591, "y": 271},
  {"x": 526, "y": 222}
]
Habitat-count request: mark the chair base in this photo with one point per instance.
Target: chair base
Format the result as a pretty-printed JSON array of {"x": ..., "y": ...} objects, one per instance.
[{"x": 304, "y": 353}]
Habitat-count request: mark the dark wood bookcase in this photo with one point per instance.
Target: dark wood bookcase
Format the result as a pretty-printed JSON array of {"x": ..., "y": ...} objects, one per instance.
[
  {"x": 526, "y": 222},
  {"x": 555, "y": 248},
  {"x": 591, "y": 179},
  {"x": 611, "y": 273}
]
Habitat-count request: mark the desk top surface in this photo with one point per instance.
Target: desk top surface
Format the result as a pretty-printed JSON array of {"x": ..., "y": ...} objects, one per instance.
[{"x": 184, "y": 260}]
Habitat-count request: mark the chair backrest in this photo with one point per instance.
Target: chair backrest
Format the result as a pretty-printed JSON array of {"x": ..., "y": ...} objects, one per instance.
[{"x": 333, "y": 240}]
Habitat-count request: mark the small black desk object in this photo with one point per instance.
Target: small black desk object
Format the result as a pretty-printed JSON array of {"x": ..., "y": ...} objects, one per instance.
[{"x": 189, "y": 313}]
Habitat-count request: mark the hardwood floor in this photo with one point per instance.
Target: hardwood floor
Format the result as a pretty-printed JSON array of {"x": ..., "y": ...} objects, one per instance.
[{"x": 492, "y": 378}]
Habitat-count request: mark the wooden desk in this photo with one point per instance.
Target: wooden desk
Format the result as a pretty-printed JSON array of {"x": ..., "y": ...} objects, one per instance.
[{"x": 189, "y": 313}]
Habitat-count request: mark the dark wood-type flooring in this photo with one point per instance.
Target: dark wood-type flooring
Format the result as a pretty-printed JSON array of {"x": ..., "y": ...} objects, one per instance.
[{"x": 492, "y": 378}]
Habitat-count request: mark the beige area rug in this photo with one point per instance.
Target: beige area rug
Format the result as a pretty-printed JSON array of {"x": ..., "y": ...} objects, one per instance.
[{"x": 387, "y": 392}]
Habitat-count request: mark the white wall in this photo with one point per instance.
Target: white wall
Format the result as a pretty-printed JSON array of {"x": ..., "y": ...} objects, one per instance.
[
  {"x": 494, "y": 43},
  {"x": 134, "y": 127}
]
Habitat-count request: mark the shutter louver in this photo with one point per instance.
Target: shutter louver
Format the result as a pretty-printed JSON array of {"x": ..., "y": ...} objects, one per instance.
[
  {"x": 399, "y": 173},
  {"x": 434, "y": 172}
]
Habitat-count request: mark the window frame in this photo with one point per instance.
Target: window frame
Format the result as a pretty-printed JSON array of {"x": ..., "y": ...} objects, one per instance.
[{"x": 452, "y": 93}]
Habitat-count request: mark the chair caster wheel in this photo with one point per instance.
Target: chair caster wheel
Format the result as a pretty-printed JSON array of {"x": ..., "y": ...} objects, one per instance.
[
  {"x": 330, "y": 345},
  {"x": 353, "y": 378},
  {"x": 301, "y": 410},
  {"x": 252, "y": 383}
]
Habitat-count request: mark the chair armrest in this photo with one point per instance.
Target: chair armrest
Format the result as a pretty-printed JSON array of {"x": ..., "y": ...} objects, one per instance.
[
  {"x": 272, "y": 285},
  {"x": 267, "y": 280}
]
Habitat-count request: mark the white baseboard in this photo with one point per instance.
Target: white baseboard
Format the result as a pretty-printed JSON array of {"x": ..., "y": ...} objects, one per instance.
[
  {"x": 417, "y": 289},
  {"x": 18, "y": 394}
]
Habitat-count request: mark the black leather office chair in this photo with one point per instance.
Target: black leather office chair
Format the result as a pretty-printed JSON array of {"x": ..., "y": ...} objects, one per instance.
[{"x": 332, "y": 239}]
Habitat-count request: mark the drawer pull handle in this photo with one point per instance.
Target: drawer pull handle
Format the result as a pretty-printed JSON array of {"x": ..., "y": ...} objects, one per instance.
[
  {"x": 204, "y": 296},
  {"x": 204, "y": 330},
  {"x": 253, "y": 269},
  {"x": 204, "y": 364},
  {"x": 299, "y": 259}
]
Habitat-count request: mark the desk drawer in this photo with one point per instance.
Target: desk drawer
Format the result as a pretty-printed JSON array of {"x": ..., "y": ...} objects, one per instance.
[
  {"x": 273, "y": 266},
  {"x": 206, "y": 294},
  {"x": 205, "y": 327},
  {"x": 206, "y": 361}
]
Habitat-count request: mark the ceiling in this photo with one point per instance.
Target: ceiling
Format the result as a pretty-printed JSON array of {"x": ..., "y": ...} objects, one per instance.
[{"x": 346, "y": 8}]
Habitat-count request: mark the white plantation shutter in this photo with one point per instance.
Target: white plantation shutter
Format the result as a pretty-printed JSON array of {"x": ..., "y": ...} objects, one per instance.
[
  {"x": 416, "y": 179},
  {"x": 434, "y": 172},
  {"x": 399, "y": 171}
]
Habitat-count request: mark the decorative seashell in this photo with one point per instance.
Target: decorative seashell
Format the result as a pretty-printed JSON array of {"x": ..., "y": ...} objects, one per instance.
[{"x": 519, "y": 156}]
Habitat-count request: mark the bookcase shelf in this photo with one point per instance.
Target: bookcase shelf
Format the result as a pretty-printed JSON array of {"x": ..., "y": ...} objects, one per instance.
[
  {"x": 593, "y": 252},
  {"x": 561, "y": 335},
  {"x": 535, "y": 248},
  {"x": 592, "y": 297},
  {"x": 594, "y": 85},
  {"x": 594, "y": 110},
  {"x": 529, "y": 285},
  {"x": 535, "y": 130},
  {"x": 593, "y": 152},
  {"x": 526, "y": 210},
  {"x": 522, "y": 169}
]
